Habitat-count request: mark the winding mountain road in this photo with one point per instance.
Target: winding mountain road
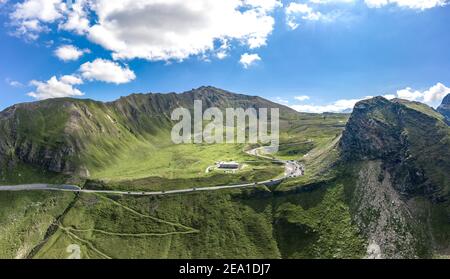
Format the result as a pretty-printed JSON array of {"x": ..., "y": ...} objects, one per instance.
[{"x": 292, "y": 169}]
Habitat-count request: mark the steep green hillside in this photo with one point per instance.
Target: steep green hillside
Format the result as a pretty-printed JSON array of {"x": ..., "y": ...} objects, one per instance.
[
  {"x": 26, "y": 219},
  {"x": 228, "y": 224},
  {"x": 60, "y": 135}
]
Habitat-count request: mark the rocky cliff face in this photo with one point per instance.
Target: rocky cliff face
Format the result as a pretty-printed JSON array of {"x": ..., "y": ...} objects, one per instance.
[
  {"x": 444, "y": 108},
  {"x": 412, "y": 144},
  {"x": 22, "y": 139},
  {"x": 385, "y": 217},
  {"x": 401, "y": 151}
]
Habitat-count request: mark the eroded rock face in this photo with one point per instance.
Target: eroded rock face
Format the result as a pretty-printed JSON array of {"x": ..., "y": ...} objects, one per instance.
[
  {"x": 384, "y": 217},
  {"x": 412, "y": 145},
  {"x": 372, "y": 134},
  {"x": 402, "y": 153},
  {"x": 375, "y": 132}
]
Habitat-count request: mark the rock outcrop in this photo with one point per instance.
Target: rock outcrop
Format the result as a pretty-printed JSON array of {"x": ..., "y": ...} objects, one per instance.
[
  {"x": 412, "y": 144},
  {"x": 401, "y": 153}
]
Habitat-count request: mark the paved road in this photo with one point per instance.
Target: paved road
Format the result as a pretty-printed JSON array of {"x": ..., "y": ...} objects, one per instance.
[
  {"x": 48, "y": 187},
  {"x": 292, "y": 169},
  {"x": 76, "y": 189}
]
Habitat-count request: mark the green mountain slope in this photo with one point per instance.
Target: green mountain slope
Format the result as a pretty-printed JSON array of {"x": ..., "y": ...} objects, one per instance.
[
  {"x": 229, "y": 224},
  {"x": 80, "y": 137},
  {"x": 376, "y": 185}
]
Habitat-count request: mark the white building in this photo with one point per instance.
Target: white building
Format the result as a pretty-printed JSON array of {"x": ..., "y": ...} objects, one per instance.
[{"x": 228, "y": 165}]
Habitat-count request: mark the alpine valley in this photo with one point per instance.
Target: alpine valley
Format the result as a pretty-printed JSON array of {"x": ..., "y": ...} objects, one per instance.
[{"x": 371, "y": 184}]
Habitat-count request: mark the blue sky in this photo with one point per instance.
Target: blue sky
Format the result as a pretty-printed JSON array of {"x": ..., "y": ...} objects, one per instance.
[{"x": 315, "y": 55}]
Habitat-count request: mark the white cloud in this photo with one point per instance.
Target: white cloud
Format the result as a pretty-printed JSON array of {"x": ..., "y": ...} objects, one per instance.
[
  {"x": 340, "y": 106},
  {"x": 107, "y": 71},
  {"x": 264, "y": 5},
  {"x": 69, "y": 52},
  {"x": 177, "y": 29},
  {"x": 411, "y": 4},
  {"x": 409, "y": 94},
  {"x": 295, "y": 11},
  {"x": 390, "y": 96},
  {"x": 325, "y": 2},
  {"x": 44, "y": 10},
  {"x": 30, "y": 15},
  {"x": 436, "y": 93},
  {"x": 99, "y": 69},
  {"x": 431, "y": 96},
  {"x": 154, "y": 29},
  {"x": 249, "y": 59},
  {"x": 281, "y": 101},
  {"x": 76, "y": 19},
  {"x": 376, "y": 3},
  {"x": 344, "y": 105},
  {"x": 71, "y": 79},
  {"x": 56, "y": 88},
  {"x": 302, "y": 98},
  {"x": 13, "y": 83},
  {"x": 222, "y": 52},
  {"x": 221, "y": 55}
]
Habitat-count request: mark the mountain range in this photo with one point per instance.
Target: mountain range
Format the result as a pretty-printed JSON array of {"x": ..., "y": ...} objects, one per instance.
[
  {"x": 70, "y": 135},
  {"x": 376, "y": 181}
]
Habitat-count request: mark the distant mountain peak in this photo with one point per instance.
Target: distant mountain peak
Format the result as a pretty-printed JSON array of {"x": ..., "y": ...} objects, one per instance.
[
  {"x": 444, "y": 108},
  {"x": 446, "y": 100},
  {"x": 208, "y": 87}
]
